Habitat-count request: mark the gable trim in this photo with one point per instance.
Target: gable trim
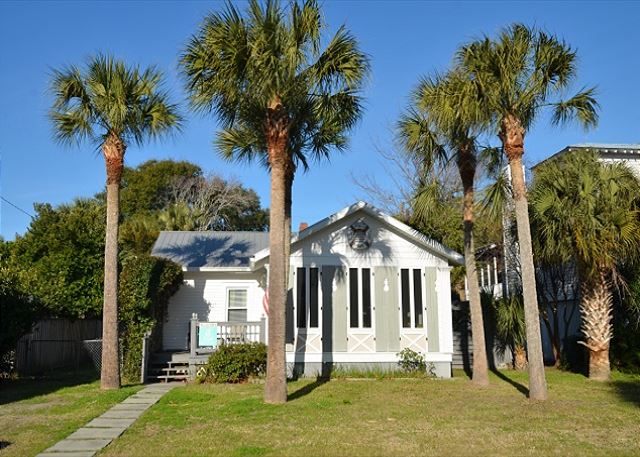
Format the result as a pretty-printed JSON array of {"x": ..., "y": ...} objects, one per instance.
[{"x": 418, "y": 238}]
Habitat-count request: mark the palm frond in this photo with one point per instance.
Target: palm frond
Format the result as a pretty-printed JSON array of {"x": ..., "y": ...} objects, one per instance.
[{"x": 582, "y": 106}]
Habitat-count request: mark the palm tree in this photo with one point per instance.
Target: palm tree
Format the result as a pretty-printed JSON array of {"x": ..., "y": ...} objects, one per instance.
[
  {"x": 586, "y": 211},
  {"x": 111, "y": 105},
  {"x": 510, "y": 327},
  {"x": 279, "y": 98},
  {"x": 442, "y": 125},
  {"x": 519, "y": 74}
]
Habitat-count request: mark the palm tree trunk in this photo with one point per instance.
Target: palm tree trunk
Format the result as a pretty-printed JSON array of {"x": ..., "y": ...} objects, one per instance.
[
  {"x": 480, "y": 374},
  {"x": 287, "y": 217},
  {"x": 113, "y": 150},
  {"x": 596, "y": 307},
  {"x": 519, "y": 358},
  {"x": 275, "y": 389},
  {"x": 512, "y": 136}
]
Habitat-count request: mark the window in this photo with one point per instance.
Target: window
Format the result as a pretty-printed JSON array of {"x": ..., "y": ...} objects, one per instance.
[
  {"x": 411, "y": 298},
  {"x": 237, "y": 305},
  {"x": 360, "y": 298},
  {"x": 307, "y": 298}
]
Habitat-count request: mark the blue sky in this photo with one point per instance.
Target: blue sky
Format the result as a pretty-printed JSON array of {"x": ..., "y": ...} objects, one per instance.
[{"x": 405, "y": 39}]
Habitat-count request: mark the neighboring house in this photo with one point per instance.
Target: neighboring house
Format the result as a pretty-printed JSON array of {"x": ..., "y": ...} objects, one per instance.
[
  {"x": 362, "y": 287},
  {"x": 559, "y": 286},
  {"x": 611, "y": 153}
]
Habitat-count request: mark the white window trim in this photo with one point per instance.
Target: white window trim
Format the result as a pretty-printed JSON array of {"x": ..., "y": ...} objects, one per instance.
[
  {"x": 412, "y": 308},
  {"x": 228, "y": 289},
  {"x": 360, "y": 328},
  {"x": 307, "y": 282}
]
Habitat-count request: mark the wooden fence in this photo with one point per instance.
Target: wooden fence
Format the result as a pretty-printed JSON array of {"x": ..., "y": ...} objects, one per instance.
[{"x": 55, "y": 343}]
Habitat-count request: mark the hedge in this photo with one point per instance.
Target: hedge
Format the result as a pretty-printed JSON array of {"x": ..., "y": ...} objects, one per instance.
[{"x": 146, "y": 284}]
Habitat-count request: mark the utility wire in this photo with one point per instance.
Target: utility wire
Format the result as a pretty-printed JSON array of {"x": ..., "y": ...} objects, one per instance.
[{"x": 17, "y": 207}]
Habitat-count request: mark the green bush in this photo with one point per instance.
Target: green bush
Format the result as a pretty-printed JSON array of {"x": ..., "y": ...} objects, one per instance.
[
  {"x": 235, "y": 363},
  {"x": 18, "y": 312},
  {"x": 411, "y": 361},
  {"x": 625, "y": 348},
  {"x": 146, "y": 284}
]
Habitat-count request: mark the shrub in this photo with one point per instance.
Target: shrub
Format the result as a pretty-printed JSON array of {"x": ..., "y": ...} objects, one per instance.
[
  {"x": 411, "y": 361},
  {"x": 18, "y": 312},
  {"x": 235, "y": 363},
  {"x": 146, "y": 284}
]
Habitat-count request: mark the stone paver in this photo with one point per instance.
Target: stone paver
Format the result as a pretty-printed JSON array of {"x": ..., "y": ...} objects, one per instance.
[
  {"x": 111, "y": 423},
  {"x": 80, "y": 445},
  {"x": 96, "y": 434},
  {"x": 121, "y": 415},
  {"x": 132, "y": 406},
  {"x": 68, "y": 454}
]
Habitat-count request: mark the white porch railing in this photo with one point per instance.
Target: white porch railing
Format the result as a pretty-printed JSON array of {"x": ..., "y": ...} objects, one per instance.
[{"x": 205, "y": 337}]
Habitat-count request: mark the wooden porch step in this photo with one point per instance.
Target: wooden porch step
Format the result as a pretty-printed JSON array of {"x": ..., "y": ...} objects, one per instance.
[{"x": 167, "y": 378}]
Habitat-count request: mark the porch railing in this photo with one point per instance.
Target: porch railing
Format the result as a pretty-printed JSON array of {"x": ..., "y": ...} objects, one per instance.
[{"x": 205, "y": 337}]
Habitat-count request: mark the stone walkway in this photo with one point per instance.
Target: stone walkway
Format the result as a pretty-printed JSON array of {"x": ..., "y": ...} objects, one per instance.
[{"x": 95, "y": 435}]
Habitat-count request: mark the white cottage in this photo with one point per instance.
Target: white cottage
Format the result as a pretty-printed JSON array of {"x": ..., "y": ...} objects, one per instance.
[{"x": 362, "y": 287}]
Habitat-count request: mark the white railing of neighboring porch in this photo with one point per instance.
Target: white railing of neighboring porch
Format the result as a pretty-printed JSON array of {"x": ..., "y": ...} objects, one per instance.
[{"x": 206, "y": 336}]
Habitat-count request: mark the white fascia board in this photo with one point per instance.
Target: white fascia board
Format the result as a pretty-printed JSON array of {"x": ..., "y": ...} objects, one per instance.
[{"x": 218, "y": 269}]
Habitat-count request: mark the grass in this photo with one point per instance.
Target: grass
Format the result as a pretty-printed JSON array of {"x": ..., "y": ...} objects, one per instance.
[
  {"x": 36, "y": 413},
  {"x": 393, "y": 417}
]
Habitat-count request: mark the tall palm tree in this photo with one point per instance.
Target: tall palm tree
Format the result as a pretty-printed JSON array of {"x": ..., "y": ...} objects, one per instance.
[
  {"x": 442, "y": 125},
  {"x": 279, "y": 98},
  {"x": 519, "y": 74},
  {"x": 111, "y": 105},
  {"x": 587, "y": 211}
]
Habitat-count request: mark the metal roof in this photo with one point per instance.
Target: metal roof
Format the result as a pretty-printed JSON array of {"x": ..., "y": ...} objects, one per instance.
[
  {"x": 601, "y": 148},
  {"x": 210, "y": 249}
]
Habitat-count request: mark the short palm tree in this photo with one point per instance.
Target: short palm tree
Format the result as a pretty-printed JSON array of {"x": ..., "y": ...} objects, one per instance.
[
  {"x": 280, "y": 98},
  {"x": 587, "y": 211},
  {"x": 442, "y": 125},
  {"x": 111, "y": 105},
  {"x": 510, "y": 327},
  {"x": 518, "y": 75}
]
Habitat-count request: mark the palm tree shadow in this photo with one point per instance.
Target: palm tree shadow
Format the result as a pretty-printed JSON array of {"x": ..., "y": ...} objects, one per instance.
[
  {"x": 21, "y": 389},
  {"x": 308, "y": 388},
  {"x": 520, "y": 387},
  {"x": 628, "y": 391}
]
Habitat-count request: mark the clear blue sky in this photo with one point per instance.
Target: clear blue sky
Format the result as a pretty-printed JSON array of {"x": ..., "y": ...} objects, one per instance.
[{"x": 405, "y": 39}]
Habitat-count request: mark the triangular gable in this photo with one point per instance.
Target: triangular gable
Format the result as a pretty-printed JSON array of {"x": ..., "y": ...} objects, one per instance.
[{"x": 438, "y": 249}]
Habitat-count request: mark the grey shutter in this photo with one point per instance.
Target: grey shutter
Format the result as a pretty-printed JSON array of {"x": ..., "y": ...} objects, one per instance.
[
  {"x": 387, "y": 314},
  {"x": 433, "y": 337},
  {"x": 289, "y": 316},
  {"x": 334, "y": 310}
]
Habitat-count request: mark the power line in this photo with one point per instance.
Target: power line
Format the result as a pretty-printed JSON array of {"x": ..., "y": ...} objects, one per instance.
[{"x": 17, "y": 207}]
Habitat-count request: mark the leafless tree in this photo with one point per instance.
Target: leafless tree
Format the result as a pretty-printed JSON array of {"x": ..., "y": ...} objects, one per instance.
[{"x": 210, "y": 200}]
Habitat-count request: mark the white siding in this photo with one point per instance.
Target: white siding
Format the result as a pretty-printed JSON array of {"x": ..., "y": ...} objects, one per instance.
[
  {"x": 205, "y": 293},
  {"x": 388, "y": 248}
]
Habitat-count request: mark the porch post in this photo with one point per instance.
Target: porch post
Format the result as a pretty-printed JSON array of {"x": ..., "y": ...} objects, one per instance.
[
  {"x": 145, "y": 356},
  {"x": 263, "y": 329},
  {"x": 194, "y": 334}
]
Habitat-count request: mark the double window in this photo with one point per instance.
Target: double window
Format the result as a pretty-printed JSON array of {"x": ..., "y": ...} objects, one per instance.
[
  {"x": 411, "y": 297},
  {"x": 359, "y": 297},
  {"x": 307, "y": 297},
  {"x": 237, "y": 305}
]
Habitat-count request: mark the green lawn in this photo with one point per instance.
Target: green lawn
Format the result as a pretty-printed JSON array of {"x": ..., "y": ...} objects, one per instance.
[
  {"x": 393, "y": 417},
  {"x": 36, "y": 413}
]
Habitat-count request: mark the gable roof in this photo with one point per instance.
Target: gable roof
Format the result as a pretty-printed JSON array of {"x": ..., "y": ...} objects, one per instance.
[
  {"x": 418, "y": 238},
  {"x": 210, "y": 250}
]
